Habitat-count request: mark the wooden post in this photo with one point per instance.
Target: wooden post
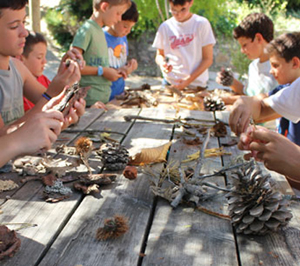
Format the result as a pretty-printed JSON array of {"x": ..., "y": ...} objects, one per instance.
[{"x": 35, "y": 15}]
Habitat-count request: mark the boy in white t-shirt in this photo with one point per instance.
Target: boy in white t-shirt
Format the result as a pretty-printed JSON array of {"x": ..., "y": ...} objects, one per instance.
[
  {"x": 184, "y": 46},
  {"x": 272, "y": 149},
  {"x": 253, "y": 34}
]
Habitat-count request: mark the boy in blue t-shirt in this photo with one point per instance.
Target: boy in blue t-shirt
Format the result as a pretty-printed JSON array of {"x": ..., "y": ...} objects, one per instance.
[{"x": 118, "y": 48}]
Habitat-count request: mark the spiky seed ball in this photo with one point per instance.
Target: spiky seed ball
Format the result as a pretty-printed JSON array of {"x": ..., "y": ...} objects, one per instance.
[
  {"x": 83, "y": 145},
  {"x": 113, "y": 228},
  {"x": 255, "y": 207}
]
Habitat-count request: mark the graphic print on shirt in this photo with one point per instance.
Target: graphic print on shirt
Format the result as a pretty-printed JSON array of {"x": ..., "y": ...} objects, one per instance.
[
  {"x": 181, "y": 40},
  {"x": 117, "y": 56}
]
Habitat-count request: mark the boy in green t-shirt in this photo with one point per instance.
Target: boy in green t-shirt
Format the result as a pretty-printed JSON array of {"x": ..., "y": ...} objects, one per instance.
[{"x": 91, "y": 43}]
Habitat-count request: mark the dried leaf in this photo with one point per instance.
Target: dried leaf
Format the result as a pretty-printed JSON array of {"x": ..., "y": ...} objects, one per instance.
[
  {"x": 6, "y": 185},
  {"x": 9, "y": 242},
  {"x": 151, "y": 155}
]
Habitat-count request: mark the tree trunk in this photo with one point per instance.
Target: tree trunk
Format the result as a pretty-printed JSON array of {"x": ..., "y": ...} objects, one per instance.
[{"x": 35, "y": 15}]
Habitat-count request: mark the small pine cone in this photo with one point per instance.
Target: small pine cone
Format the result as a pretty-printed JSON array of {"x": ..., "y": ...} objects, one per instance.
[
  {"x": 214, "y": 103},
  {"x": 114, "y": 156},
  {"x": 226, "y": 77},
  {"x": 254, "y": 205},
  {"x": 113, "y": 228}
]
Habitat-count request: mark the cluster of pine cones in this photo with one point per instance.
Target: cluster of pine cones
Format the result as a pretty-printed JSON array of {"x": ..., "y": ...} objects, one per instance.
[
  {"x": 255, "y": 207},
  {"x": 213, "y": 103},
  {"x": 114, "y": 156}
]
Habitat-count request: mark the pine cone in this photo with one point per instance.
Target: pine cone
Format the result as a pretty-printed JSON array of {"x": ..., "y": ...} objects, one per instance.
[
  {"x": 213, "y": 103},
  {"x": 254, "y": 205},
  {"x": 114, "y": 156},
  {"x": 226, "y": 77}
]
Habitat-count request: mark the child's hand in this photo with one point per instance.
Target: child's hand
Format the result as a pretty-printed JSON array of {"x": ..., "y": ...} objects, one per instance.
[
  {"x": 240, "y": 115},
  {"x": 131, "y": 65},
  {"x": 67, "y": 74},
  {"x": 75, "y": 112},
  {"x": 75, "y": 55},
  {"x": 165, "y": 67},
  {"x": 225, "y": 77},
  {"x": 99, "y": 105},
  {"x": 182, "y": 83},
  {"x": 39, "y": 132},
  {"x": 111, "y": 74},
  {"x": 249, "y": 137},
  {"x": 277, "y": 152}
]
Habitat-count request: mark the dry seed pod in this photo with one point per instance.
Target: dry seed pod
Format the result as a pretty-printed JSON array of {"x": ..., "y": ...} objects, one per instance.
[
  {"x": 114, "y": 156},
  {"x": 130, "y": 172},
  {"x": 226, "y": 77},
  {"x": 113, "y": 228},
  {"x": 255, "y": 207},
  {"x": 213, "y": 103}
]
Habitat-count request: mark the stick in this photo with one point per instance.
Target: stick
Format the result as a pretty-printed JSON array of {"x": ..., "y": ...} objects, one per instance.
[
  {"x": 201, "y": 157},
  {"x": 182, "y": 190},
  {"x": 91, "y": 131},
  {"x": 128, "y": 118}
]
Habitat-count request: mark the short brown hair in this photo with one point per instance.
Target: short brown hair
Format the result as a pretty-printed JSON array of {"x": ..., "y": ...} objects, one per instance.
[
  {"x": 179, "y": 2},
  {"x": 286, "y": 46},
  {"x": 255, "y": 23},
  {"x": 32, "y": 39},
  {"x": 96, "y": 3},
  {"x": 12, "y": 4}
]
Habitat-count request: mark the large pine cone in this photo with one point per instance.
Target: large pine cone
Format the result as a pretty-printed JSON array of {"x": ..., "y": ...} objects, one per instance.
[
  {"x": 254, "y": 205},
  {"x": 114, "y": 156},
  {"x": 213, "y": 103}
]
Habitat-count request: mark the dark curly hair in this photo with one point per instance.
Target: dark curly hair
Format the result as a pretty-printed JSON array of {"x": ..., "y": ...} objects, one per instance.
[
  {"x": 255, "y": 23},
  {"x": 286, "y": 46}
]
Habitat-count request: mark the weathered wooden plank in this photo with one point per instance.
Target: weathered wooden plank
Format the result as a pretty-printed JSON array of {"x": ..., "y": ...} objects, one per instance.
[
  {"x": 77, "y": 245},
  {"x": 90, "y": 115},
  {"x": 281, "y": 248},
  {"x": 186, "y": 236},
  {"x": 27, "y": 206}
]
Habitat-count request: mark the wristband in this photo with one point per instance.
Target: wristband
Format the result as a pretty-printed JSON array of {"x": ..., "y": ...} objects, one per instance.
[
  {"x": 100, "y": 70},
  {"x": 46, "y": 96}
]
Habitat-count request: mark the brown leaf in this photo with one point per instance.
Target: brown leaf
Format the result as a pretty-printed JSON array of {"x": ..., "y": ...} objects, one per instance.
[
  {"x": 151, "y": 155},
  {"x": 9, "y": 242},
  {"x": 49, "y": 180}
]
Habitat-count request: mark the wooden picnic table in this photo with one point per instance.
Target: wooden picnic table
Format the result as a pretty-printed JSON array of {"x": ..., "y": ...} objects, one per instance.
[{"x": 65, "y": 231}]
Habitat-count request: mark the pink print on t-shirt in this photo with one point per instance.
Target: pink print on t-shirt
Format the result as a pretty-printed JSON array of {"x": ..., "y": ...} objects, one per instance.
[{"x": 181, "y": 41}]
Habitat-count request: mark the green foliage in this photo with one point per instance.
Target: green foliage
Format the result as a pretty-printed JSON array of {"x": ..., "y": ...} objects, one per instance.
[
  {"x": 64, "y": 20},
  {"x": 269, "y": 7},
  {"x": 239, "y": 61}
]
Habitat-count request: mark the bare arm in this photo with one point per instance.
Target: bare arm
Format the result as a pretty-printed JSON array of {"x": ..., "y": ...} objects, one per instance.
[
  {"x": 246, "y": 107},
  {"x": 109, "y": 73},
  {"x": 36, "y": 134},
  {"x": 276, "y": 151}
]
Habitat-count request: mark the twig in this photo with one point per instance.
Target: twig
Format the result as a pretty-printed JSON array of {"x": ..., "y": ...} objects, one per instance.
[
  {"x": 91, "y": 131},
  {"x": 202, "y": 156},
  {"x": 23, "y": 225},
  {"x": 210, "y": 212},
  {"x": 182, "y": 190},
  {"x": 128, "y": 118}
]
